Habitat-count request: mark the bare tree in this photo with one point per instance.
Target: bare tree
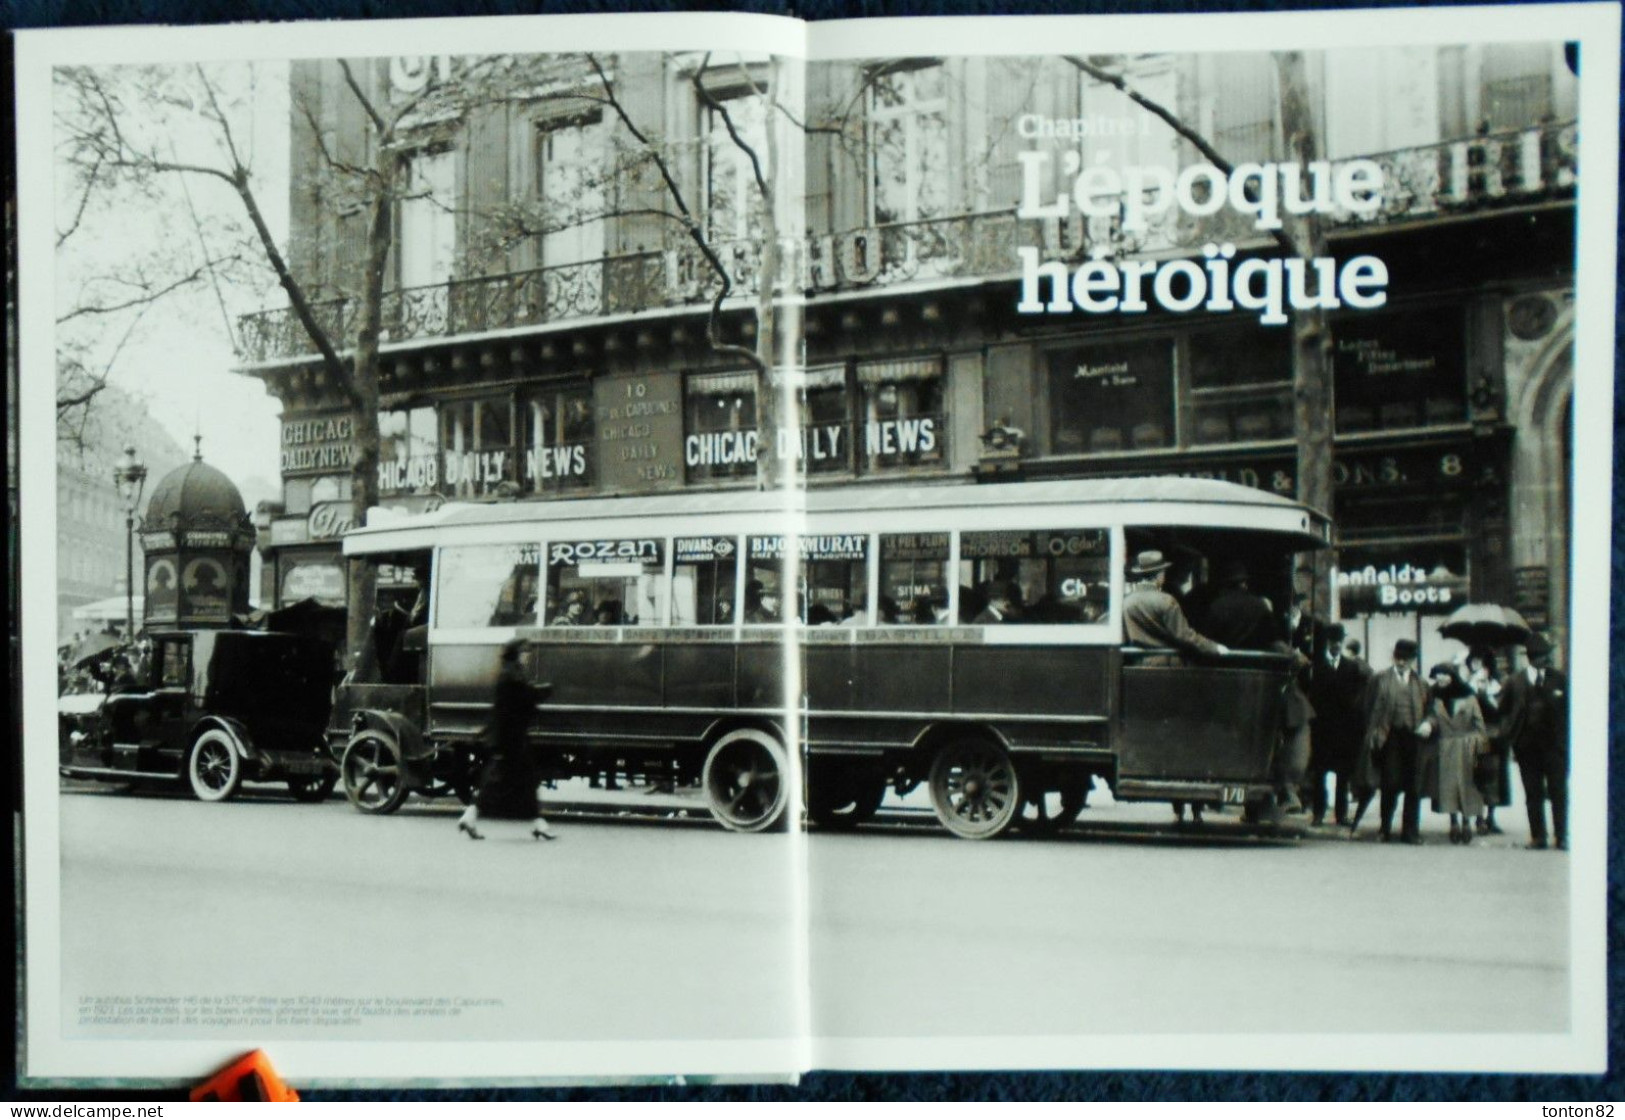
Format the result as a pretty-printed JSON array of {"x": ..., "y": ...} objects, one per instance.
[
  {"x": 1301, "y": 236},
  {"x": 106, "y": 150}
]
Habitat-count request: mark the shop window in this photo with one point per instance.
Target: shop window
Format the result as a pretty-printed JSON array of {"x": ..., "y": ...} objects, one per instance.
[
  {"x": 908, "y": 143},
  {"x": 479, "y": 446},
  {"x": 487, "y": 585},
  {"x": 1241, "y": 386},
  {"x": 321, "y": 579},
  {"x": 557, "y": 440},
  {"x": 703, "y": 581},
  {"x": 1398, "y": 370},
  {"x": 408, "y": 451},
  {"x": 1112, "y": 397},
  {"x": 903, "y": 416},
  {"x": 913, "y": 579},
  {"x": 826, "y": 421},
  {"x": 720, "y": 410},
  {"x": 1061, "y": 576},
  {"x": 606, "y": 583}
]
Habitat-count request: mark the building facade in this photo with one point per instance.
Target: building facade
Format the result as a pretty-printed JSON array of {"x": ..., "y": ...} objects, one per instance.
[
  {"x": 546, "y": 330},
  {"x": 90, "y": 518}
]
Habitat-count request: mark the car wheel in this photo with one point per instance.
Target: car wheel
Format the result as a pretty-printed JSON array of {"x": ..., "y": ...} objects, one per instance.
[
  {"x": 372, "y": 773},
  {"x": 213, "y": 766}
]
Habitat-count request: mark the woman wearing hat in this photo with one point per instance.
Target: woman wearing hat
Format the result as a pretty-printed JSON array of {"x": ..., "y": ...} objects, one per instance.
[
  {"x": 1458, "y": 726},
  {"x": 508, "y": 788}
]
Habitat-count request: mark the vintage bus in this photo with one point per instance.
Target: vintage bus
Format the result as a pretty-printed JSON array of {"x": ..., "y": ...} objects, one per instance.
[{"x": 967, "y": 637}]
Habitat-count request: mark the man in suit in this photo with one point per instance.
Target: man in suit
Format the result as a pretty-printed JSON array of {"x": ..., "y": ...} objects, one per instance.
[
  {"x": 1395, "y": 725},
  {"x": 1154, "y": 618},
  {"x": 1535, "y": 716},
  {"x": 1336, "y": 688}
]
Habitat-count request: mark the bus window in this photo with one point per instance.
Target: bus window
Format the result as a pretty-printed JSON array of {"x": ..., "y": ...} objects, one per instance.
[
  {"x": 487, "y": 585},
  {"x": 702, "y": 590},
  {"x": 914, "y": 578},
  {"x": 606, "y": 583},
  {"x": 764, "y": 567},
  {"x": 1056, "y": 576}
]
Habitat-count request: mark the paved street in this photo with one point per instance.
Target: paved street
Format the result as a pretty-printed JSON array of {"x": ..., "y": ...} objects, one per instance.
[{"x": 630, "y": 927}]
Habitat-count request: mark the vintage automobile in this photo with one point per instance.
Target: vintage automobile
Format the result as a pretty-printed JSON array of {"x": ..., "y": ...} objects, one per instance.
[{"x": 216, "y": 708}]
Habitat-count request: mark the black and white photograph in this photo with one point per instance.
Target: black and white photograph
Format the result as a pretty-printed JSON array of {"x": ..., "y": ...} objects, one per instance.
[{"x": 608, "y": 547}]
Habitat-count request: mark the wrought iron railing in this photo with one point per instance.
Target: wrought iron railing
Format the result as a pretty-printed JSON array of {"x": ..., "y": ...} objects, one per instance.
[{"x": 1477, "y": 175}]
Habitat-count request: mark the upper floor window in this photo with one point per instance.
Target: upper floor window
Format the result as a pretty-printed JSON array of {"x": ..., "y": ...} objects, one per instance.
[
  {"x": 1126, "y": 134},
  {"x": 1245, "y": 105},
  {"x": 1400, "y": 369},
  {"x": 428, "y": 216},
  {"x": 572, "y": 163},
  {"x": 908, "y": 143},
  {"x": 1112, "y": 396},
  {"x": 1515, "y": 85},
  {"x": 733, "y": 205}
]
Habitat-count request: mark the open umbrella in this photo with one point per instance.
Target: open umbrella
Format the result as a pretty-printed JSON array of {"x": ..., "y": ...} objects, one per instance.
[
  {"x": 93, "y": 648},
  {"x": 1486, "y": 624}
]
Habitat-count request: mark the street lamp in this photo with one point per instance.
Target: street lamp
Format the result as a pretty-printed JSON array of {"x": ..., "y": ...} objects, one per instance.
[{"x": 129, "y": 475}]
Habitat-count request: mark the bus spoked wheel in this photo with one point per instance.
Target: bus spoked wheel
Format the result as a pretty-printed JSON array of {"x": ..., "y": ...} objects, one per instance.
[
  {"x": 843, "y": 800},
  {"x": 1046, "y": 812},
  {"x": 975, "y": 789},
  {"x": 744, "y": 779}
]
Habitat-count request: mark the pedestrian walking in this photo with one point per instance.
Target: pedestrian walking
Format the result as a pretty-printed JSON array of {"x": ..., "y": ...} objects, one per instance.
[
  {"x": 1535, "y": 714},
  {"x": 1391, "y": 751},
  {"x": 1458, "y": 727},
  {"x": 508, "y": 788}
]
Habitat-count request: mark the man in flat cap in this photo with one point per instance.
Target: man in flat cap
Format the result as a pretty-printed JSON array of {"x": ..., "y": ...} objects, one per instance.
[
  {"x": 1396, "y": 701},
  {"x": 1535, "y": 717},
  {"x": 1154, "y": 618}
]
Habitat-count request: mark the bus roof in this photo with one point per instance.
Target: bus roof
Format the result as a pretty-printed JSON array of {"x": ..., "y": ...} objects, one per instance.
[{"x": 1126, "y": 501}]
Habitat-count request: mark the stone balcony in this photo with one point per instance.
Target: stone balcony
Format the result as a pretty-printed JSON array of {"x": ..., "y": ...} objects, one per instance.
[{"x": 1491, "y": 173}]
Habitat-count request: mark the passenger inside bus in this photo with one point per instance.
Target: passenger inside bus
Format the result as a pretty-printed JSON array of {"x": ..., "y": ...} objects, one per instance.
[
  {"x": 607, "y": 613},
  {"x": 1153, "y": 618},
  {"x": 574, "y": 612},
  {"x": 761, "y": 604},
  {"x": 1003, "y": 600}
]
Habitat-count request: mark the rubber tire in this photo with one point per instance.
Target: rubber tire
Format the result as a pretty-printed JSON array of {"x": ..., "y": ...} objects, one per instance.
[
  {"x": 723, "y": 792},
  {"x": 356, "y": 767},
  {"x": 214, "y": 751},
  {"x": 990, "y": 766},
  {"x": 313, "y": 791}
]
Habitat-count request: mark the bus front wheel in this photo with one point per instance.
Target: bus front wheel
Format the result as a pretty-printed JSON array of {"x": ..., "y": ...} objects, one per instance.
[
  {"x": 745, "y": 780},
  {"x": 372, "y": 773},
  {"x": 975, "y": 789}
]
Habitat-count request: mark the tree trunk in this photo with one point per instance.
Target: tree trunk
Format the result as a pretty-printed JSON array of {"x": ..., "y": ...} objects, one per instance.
[
  {"x": 364, "y": 393},
  {"x": 1312, "y": 391}
]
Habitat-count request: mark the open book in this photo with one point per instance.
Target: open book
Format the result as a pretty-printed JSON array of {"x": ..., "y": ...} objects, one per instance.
[{"x": 979, "y": 530}]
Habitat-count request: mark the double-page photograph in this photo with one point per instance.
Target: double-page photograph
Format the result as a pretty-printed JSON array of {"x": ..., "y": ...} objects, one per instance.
[{"x": 596, "y": 549}]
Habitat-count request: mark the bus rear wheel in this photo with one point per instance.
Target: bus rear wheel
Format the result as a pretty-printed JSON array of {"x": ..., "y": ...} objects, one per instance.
[
  {"x": 372, "y": 773},
  {"x": 745, "y": 780},
  {"x": 975, "y": 789}
]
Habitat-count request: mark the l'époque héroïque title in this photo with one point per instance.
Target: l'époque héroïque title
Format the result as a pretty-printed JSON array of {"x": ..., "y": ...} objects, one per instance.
[{"x": 1269, "y": 286}]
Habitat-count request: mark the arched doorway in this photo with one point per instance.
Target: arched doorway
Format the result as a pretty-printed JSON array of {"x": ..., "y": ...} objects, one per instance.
[{"x": 1542, "y": 413}]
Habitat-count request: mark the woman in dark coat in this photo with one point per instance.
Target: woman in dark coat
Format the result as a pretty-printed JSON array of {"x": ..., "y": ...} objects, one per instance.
[{"x": 508, "y": 788}]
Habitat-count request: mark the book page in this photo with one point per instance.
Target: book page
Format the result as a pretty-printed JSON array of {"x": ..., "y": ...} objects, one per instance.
[
  {"x": 446, "y": 318},
  {"x": 1185, "y": 784}
]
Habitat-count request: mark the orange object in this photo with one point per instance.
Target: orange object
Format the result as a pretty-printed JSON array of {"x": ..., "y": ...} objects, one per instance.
[{"x": 249, "y": 1078}]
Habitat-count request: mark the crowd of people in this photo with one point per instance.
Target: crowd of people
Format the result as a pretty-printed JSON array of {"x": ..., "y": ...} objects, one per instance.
[
  {"x": 119, "y": 665},
  {"x": 1394, "y": 737}
]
